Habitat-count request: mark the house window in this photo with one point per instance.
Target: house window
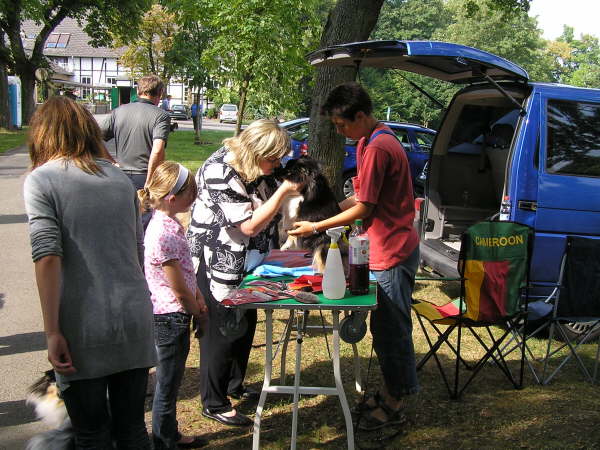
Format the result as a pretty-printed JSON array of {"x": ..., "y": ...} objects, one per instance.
[
  {"x": 58, "y": 40},
  {"x": 86, "y": 92},
  {"x": 62, "y": 61},
  {"x": 111, "y": 81}
]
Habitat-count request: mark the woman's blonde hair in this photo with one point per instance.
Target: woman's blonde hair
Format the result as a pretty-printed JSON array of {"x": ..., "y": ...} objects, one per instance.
[
  {"x": 263, "y": 139},
  {"x": 61, "y": 128},
  {"x": 162, "y": 181}
]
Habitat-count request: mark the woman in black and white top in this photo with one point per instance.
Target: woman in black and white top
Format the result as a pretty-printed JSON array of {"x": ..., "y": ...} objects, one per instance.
[{"x": 233, "y": 222}]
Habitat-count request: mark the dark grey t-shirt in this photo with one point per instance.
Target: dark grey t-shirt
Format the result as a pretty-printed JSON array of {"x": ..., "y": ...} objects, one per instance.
[
  {"x": 134, "y": 127},
  {"x": 92, "y": 222}
]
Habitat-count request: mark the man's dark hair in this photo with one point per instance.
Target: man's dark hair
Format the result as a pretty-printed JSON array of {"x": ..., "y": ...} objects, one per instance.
[{"x": 346, "y": 100}]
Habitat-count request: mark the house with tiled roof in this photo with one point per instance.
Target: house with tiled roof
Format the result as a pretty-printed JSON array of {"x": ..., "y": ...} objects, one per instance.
[{"x": 90, "y": 72}]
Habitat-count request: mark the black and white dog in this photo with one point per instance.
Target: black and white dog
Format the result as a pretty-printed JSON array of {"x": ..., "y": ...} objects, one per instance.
[
  {"x": 44, "y": 396},
  {"x": 315, "y": 203}
]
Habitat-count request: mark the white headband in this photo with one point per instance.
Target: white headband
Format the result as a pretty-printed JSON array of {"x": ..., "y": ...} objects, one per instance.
[{"x": 181, "y": 179}]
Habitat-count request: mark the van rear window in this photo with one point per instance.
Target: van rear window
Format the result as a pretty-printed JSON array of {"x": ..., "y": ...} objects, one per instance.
[{"x": 573, "y": 138}]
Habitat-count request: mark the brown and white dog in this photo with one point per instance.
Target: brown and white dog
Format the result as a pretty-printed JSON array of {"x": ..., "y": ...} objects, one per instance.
[
  {"x": 49, "y": 407},
  {"x": 316, "y": 202}
]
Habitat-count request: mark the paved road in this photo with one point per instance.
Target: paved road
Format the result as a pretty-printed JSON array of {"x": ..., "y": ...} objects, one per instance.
[
  {"x": 207, "y": 124},
  {"x": 22, "y": 343}
]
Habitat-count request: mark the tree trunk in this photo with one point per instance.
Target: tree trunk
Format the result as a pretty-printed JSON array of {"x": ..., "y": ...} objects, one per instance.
[
  {"x": 243, "y": 93},
  {"x": 27, "y": 94},
  {"x": 348, "y": 21},
  {"x": 4, "y": 108}
]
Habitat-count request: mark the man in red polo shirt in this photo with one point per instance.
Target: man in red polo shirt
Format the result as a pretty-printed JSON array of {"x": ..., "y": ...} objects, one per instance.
[{"x": 384, "y": 200}]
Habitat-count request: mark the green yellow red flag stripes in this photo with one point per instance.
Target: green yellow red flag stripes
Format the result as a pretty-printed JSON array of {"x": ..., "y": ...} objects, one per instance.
[{"x": 493, "y": 265}]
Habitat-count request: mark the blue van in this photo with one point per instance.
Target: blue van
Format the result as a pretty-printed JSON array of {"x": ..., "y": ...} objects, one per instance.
[{"x": 507, "y": 148}]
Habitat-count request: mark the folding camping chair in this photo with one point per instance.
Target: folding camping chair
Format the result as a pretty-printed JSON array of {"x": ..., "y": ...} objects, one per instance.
[
  {"x": 576, "y": 301},
  {"x": 494, "y": 267}
]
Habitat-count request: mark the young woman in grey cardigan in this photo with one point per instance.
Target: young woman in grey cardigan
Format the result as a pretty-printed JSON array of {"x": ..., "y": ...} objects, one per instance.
[{"x": 87, "y": 246}]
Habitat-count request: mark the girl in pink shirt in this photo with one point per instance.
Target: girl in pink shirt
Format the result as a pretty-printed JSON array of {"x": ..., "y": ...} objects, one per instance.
[{"x": 174, "y": 293}]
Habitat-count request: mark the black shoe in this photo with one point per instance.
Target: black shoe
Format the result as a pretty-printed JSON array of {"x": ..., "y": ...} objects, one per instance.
[
  {"x": 196, "y": 443},
  {"x": 239, "y": 420},
  {"x": 246, "y": 393}
]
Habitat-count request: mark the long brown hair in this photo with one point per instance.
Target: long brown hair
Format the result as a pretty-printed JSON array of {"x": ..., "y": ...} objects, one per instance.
[{"x": 61, "y": 128}]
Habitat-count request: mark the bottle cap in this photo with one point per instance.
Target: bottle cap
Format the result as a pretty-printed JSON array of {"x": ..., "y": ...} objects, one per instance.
[{"x": 358, "y": 222}]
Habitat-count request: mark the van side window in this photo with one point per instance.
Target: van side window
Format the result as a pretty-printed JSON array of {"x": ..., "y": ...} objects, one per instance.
[{"x": 573, "y": 138}]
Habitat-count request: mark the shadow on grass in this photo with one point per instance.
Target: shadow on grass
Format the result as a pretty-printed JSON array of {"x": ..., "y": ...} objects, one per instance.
[{"x": 491, "y": 413}]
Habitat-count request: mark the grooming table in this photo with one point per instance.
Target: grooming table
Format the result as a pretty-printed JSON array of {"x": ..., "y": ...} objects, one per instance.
[{"x": 300, "y": 311}]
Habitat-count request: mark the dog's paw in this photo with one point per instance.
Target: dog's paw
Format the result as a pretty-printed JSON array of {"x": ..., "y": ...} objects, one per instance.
[{"x": 290, "y": 244}]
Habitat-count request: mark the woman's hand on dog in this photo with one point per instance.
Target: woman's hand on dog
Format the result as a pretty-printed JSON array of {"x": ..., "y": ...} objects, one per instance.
[
  {"x": 59, "y": 355},
  {"x": 301, "y": 229},
  {"x": 290, "y": 188}
]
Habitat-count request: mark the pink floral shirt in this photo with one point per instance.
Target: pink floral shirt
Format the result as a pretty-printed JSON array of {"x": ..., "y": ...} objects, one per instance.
[{"x": 165, "y": 241}]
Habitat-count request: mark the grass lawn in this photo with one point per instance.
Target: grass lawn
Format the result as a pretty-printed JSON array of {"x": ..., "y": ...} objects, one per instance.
[
  {"x": 11, "y": 139},
  {"x": 181, "y": 148},
  {"x": 492, "y": 414}
]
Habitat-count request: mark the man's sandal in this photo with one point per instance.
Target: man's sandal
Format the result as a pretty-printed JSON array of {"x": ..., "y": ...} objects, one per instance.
[
  {"x": 363, "y": 405},
  {"x": 368, "y": 422}
]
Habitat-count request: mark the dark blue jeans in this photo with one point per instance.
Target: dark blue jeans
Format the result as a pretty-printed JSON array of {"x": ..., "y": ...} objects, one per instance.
[
  {"x": 172, "y": 339},
  {"x": 391, "y": 327},
  {"x": 88, "y": 408}
]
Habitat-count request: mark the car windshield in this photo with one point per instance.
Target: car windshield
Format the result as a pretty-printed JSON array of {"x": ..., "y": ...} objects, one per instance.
[
  {"x": 301, "y": 133},
  {"x": 229, "y": 108},
  {"x": 179, "y": 107}
]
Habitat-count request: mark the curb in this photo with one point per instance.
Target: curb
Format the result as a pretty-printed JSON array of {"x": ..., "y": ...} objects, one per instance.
[{"x": 12, "y": 151}]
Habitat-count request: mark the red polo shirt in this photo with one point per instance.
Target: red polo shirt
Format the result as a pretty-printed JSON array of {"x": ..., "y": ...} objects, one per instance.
[{"x": 384, "y": 180}]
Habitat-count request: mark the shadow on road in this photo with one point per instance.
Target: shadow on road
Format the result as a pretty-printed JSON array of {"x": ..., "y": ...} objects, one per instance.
[
  {"x": 6, "y": 219},
  {"x": 15, "y": 413},
  {"x": 22, "y": 343}
]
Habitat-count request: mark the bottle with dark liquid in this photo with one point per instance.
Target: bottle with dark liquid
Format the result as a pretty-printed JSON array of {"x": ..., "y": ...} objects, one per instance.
[{"x": 359, "y": 260}]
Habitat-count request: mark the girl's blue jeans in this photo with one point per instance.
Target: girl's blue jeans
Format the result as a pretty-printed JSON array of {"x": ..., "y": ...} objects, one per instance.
[
  {"x": 172, "y": 339},
  {"x": 391, "y": 326}
]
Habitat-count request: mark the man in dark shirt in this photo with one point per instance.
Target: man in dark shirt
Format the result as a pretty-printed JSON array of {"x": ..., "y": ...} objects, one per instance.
[{"x": 140, "y": 130}]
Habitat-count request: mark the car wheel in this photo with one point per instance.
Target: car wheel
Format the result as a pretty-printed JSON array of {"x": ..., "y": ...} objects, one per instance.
[{"x": 347, "y": 186}]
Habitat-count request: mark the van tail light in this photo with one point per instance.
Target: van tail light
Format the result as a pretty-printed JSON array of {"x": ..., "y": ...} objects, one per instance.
[
  {"x": 505, "y": 208},
  {"x": 304, "y": 149},
  {"x": 418, "y": 203}
]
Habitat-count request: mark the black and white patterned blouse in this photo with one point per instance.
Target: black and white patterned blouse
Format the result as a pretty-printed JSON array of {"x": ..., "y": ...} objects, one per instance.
[{"x": 224, "y": 201}]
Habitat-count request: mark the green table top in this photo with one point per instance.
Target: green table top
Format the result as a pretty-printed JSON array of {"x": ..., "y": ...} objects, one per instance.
[{"x": 349, "y": 302}]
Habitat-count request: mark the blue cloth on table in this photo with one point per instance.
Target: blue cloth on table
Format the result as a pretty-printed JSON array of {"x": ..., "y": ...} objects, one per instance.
[{"x": 270, "y": 270}]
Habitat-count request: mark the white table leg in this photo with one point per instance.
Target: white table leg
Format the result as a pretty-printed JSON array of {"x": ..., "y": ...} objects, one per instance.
[
  {"x": 298, "y": 367},
  {"x": 286, "y": 340},
  {"x": 267, "y": 381},
  {"x": 338, "y": 379}
]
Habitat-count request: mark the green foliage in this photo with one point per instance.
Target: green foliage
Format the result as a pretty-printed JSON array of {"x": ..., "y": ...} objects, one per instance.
[
  {"x": 514, "y": 37},
  {"x": 147, "y": 52},
  {"x": 408, "y": 20},
  {"x": 259, "y": 48},
  {"x": 575, "y": 61}
]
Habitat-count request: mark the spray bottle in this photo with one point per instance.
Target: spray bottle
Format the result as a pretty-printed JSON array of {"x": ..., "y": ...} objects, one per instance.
[{"x": 334, "y": 280}]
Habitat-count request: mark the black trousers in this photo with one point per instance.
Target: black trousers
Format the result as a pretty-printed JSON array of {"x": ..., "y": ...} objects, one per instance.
[
  {"x": 223, "y": 363},
  {"x": 88, "y": 409}
]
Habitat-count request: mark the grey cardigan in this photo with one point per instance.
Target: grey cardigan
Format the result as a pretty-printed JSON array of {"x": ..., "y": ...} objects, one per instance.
[{"x": 92, "y": 222}]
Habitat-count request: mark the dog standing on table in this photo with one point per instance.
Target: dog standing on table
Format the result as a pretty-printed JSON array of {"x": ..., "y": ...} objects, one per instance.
[{"x": 315, "y": 202}]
